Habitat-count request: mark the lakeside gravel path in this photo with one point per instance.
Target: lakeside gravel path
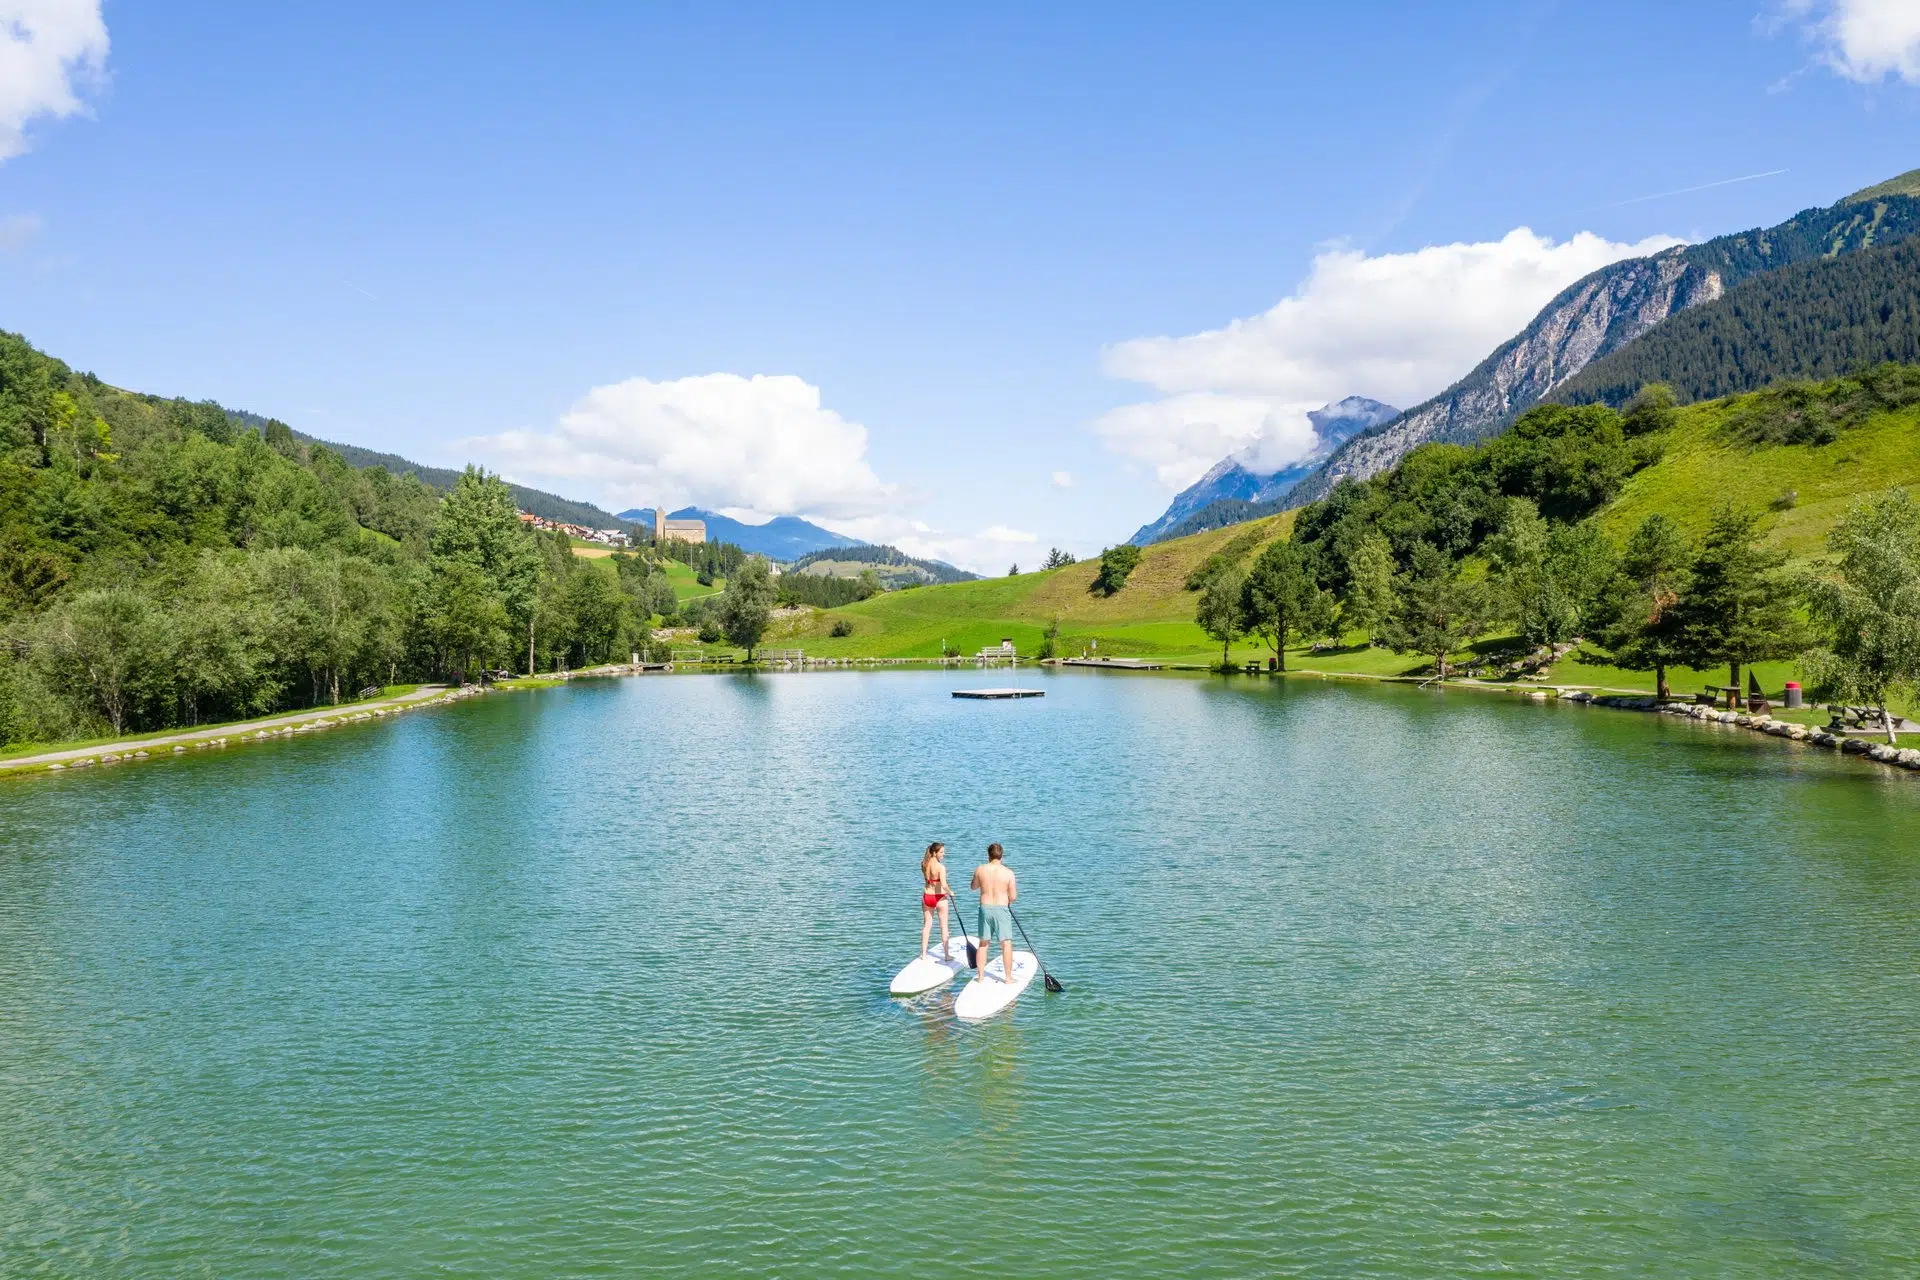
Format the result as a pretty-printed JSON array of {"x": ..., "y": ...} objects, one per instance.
[{"x": 269, "y": 726}]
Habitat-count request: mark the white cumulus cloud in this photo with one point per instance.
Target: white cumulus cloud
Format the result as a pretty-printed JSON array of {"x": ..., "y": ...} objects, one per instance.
[
  {"x": 1398, "y": 327},
  {"x": 48, "y": 50},
  {"x": 1181, "y": 436},
  {"x": 761, "y": 444},
  {"x": 1864, "y": 40}
]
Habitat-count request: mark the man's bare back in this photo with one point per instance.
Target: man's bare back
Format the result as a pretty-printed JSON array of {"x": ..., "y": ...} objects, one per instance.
[{"x": 995, "y": 881}]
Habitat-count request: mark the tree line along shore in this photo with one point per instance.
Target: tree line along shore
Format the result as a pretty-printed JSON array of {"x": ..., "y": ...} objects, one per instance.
[{"x": 165, "y": 564}]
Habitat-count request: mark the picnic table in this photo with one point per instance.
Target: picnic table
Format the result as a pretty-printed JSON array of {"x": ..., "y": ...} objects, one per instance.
[{"x": 1863, "y": 719}]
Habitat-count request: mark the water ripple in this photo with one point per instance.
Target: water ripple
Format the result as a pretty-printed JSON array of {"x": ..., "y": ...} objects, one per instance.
[{"x": 592, "y": 981}]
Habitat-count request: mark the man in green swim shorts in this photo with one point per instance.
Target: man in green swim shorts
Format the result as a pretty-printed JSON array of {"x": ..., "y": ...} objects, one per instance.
[{"x": 998, "y": 891}]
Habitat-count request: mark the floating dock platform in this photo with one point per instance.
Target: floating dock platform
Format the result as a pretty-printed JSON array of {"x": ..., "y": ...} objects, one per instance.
[{"x": 999, "y": 693}]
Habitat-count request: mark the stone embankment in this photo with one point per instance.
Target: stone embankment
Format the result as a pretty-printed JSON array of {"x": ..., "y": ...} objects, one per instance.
[
  {"x": 177, "y": 744},
  {"x": 1846, "y": 744}
]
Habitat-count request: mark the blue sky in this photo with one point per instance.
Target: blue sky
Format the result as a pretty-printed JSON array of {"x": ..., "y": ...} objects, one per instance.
[{"x": 691, "y": 252}]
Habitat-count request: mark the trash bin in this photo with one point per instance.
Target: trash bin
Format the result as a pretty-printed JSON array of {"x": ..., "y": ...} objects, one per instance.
[
  {"x": 1273, "y": 664},
  {"x": 1793, "y": 696}
]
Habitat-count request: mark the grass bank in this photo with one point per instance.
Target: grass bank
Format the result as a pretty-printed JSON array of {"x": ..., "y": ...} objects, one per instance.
[{"x": 388, "y": 694}]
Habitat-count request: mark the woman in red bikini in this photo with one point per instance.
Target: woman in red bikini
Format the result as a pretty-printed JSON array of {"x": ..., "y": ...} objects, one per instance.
[{"x": 935, "y": 894}]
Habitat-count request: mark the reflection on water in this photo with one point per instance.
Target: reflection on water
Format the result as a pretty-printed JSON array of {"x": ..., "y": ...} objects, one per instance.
[{"x": 1359, "y": 981}]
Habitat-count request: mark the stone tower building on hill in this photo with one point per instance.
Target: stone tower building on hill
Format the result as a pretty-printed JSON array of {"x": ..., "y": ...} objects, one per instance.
[{"x": 678, "y": 530}]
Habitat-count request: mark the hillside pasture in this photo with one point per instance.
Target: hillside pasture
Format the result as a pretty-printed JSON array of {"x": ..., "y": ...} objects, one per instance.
[
  {"x": 1152, "y": 616},
  {"x": 1705, "y": 468}
]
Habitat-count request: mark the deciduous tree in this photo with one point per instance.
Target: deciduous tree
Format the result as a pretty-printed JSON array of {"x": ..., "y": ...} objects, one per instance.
[
  {"x": 106, "y": 646},
  {"x": 1280, "y": 601},
  {"x": 1369, "y": 598},
  {"x": 1115, "y": 564},
  {"x": 1218, "y": 609},
  {"x": 1869, "y": 604},
  {"x": 746, "y": 607}
]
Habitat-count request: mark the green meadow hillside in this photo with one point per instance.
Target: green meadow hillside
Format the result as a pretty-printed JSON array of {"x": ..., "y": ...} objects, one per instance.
[
  {"x": 1803, "y": 488},
  {"x": 1152, "y": 615},
  {"x": 1800, "y": 455}
]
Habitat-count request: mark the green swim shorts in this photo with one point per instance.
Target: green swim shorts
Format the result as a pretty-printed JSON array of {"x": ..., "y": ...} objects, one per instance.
[{"x": 995, "y": 922}]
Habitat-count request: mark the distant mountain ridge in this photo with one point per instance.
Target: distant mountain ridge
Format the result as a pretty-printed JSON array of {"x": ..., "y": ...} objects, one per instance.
[
  {"x": 782, "y": 538},
  {"x": 1610, "y": 308},
  {"x": 1230, "y": 482}
]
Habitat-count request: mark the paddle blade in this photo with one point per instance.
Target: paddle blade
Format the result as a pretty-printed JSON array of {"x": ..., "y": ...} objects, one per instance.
[
  {"x": 1053, "y": 985},
  {"x": 973, "y": 956}
]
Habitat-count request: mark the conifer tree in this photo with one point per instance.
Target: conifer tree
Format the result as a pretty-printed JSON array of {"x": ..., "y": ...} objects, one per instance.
[
  {"x": 1643, "y": 628},
  {"x": 1740, "y": 608},
  {"x": 1435, "y": 613}
]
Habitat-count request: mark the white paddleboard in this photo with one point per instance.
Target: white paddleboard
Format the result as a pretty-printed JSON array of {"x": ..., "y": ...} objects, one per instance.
[
  {"x": 984, "y": 997},
  {"x": 931, "y": 968}
]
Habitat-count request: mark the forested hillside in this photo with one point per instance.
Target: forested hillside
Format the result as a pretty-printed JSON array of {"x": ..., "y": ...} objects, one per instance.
[
  {"x": 163, "y": 562},
  {"x": 881, "y": 554},
  {"x": 1575, "y": 522},
  {"x": 550, "y": 506},
  {"x": 1821, "y": 319},
  {"x": 1229, "y": 511}
]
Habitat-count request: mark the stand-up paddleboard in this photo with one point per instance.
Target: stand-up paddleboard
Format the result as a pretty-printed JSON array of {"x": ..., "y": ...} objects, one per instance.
[
  {"x": 931, "y": 968},
  {"x": 984, "y": 997}
]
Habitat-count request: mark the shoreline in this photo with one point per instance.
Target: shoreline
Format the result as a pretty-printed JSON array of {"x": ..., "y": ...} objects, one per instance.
[
  {"x": 168, "y": 744},
  {"x": 177, "y": 742}
]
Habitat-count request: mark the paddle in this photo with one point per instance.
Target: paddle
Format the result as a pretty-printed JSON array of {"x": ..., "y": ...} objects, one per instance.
[
  {"x": 1052, "y": 983},
  {"x": 960, "y": 918}
]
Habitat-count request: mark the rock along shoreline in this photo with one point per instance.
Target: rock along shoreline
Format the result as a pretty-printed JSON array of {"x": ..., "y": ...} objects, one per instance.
[{"x": 1879, "y": 752}]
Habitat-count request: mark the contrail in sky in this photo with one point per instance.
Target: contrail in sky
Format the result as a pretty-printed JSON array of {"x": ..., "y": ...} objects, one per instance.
[{"x": 1724, "y": 182}]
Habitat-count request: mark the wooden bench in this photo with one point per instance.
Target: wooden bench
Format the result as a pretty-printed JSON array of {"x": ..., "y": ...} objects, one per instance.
[{"x": 1756, "y": 702}]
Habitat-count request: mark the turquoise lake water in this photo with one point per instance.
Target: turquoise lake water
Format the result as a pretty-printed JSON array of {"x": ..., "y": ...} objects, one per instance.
[{"x": 592, "y": 981}]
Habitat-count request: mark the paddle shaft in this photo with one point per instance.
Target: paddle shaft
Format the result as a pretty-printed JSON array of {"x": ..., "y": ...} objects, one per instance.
[
  {"x": 960, "y": 918},
  {"x": 1052, "y": 983}
]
